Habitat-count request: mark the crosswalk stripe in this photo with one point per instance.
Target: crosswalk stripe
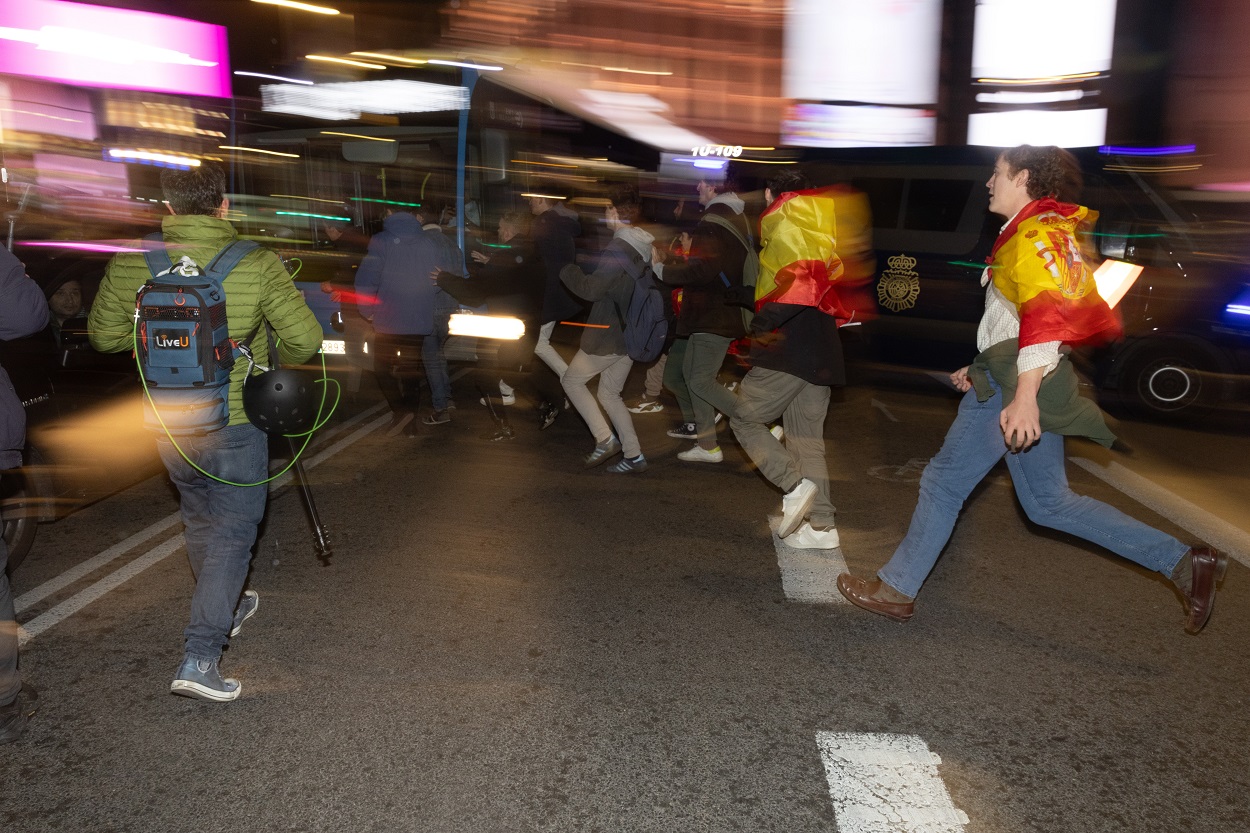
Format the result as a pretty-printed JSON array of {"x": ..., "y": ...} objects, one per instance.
[
  {"x": 884, "y": 783},
  {"x": 808, "y": 575}
]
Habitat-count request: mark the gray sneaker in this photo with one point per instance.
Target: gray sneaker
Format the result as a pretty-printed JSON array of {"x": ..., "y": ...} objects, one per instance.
[
  {"x": 202, "y": 680},
  {"x": 603, "y": 452},
  {"x": 246, "y": 610}
]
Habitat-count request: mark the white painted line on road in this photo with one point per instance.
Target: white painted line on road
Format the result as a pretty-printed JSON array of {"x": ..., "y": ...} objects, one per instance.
[
  {"x": 1215, "y": 531},
  {"x": 85, "y": 597},
  {"x": 808, "y": 575},
  {"x": 73, "y": 574},
  {"x": 77, "y": 572},
  {"x": 880, "y": 406},
  {"x": 158, "y": 553},
  {"x": 883, "y": 783}
]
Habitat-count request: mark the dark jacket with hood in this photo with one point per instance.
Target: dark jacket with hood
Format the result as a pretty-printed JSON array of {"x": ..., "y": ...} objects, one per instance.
[
  {"x": 610, "y": 288},
  {"x": 23, "y": 312},
  {"x": 712, "y": 276},
  {"x": 395, "y": 279},
  {"x": 555, "y": 234}
]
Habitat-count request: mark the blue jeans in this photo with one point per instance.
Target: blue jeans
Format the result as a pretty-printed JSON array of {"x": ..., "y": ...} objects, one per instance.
[
  {"x": 221, "y": 521},
  {"x": 973, "y": 445},
  {"x": 432, "y": 355}
]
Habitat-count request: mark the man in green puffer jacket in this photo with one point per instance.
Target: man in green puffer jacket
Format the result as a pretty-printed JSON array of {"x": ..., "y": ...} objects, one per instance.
[{"x": 221, "y": 513}]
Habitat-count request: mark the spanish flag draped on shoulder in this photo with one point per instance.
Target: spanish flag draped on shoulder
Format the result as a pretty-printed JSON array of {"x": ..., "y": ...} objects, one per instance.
[
  {"x": 798, "y": 262},
  {"x": 1037, "y": 266}
]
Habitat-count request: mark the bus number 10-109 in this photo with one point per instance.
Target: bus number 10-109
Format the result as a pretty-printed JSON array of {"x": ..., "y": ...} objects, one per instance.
[{"x": 727, "y": 151}]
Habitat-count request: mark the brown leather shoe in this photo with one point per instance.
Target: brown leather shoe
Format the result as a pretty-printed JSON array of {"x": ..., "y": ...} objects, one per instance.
[
  {"x": 876, "y": 596},
  {"x": 1207, "y": 568}
]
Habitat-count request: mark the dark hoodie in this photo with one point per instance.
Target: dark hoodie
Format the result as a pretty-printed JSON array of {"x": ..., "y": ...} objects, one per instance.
[
  {"x": 555, "y": 234},
  {"x": 23, "y": 312}
]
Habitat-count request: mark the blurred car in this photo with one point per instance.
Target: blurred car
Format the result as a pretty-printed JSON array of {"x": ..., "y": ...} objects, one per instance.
[{"x": 1185, "y": 282}]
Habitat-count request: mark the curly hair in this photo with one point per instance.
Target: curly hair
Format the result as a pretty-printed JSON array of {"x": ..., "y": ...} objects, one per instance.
[
  {"x": 1053, "y": 171},
  {"x": 626, "y": 200},
  {"x": 197, "y": 191}
]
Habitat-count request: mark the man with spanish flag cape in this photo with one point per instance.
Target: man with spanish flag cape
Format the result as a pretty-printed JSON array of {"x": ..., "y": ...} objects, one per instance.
[
  {"x": 1020, "y": 400},
  {"x": 795, "y": 356}
]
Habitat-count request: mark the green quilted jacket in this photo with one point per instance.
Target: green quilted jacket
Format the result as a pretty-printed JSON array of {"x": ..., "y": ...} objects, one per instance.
[{"x": 259, "y": 287}]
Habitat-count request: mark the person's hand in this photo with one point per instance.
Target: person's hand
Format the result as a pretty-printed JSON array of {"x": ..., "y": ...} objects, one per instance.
[
  {"x": 480, "y": 257},
  {"x": 657, "y": 256},
  {"x": 960, "y": 380},
  {"x": 1021, "y": 420},
  {"x": 327, "y": 287},
  {"x": 1021, "y": 424},
  {"x": 434, "y": 276}
]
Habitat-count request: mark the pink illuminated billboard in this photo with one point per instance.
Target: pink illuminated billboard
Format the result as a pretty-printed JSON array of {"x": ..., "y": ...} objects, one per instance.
[{"x": 96, "y": 46}]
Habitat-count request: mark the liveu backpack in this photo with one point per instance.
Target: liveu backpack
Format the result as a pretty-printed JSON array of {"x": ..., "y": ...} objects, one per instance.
[
  {"x": 183, "y": 340},
  {"x": 644, "y": 323}
]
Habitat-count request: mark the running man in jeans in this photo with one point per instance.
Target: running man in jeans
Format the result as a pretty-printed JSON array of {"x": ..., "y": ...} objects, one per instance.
[{"x": 1020, "y": 399}]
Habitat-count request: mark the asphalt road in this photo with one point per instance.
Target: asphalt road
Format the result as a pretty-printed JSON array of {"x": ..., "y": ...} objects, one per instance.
[{"x": 505, "y": 642}]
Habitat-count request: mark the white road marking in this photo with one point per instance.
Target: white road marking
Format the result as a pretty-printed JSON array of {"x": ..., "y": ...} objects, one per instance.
[
  {"x": 1215, "y": 531},
  {"x": 76, "y": 572},
  {"x": 808, "y": 575},
  {"x": 880, "y": 406},
  {"x": 86, "y": 596},
  {"x": 883, "y": 783}
]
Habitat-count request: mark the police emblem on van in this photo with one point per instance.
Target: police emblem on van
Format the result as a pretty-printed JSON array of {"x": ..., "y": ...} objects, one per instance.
[{"x": 900, "y": 284}]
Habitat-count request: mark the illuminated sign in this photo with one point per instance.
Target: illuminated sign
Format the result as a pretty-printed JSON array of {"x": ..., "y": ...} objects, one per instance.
[
  {"x": 96, "y": 46},
  {"x": 347, "y": 100}
]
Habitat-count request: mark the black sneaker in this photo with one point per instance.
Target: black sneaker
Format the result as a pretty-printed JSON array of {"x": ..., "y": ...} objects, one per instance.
[
  {"x": 547, "y": 413},
  {"x": 685, "y": 431}
]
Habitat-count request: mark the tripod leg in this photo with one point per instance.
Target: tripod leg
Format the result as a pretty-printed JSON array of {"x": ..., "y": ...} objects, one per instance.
[{"x": 321, "y": 538}]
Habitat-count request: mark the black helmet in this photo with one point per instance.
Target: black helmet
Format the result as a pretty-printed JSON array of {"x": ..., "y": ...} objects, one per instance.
[{"x": 281, "y": 401}]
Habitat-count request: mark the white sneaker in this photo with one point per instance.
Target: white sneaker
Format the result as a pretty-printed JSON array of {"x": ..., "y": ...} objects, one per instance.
[
  {"x": 506, "y": 398},
  {"x": 778, "y": 432},
  {"x": 795, "y": 505},
  {"x": 807, "y": 538},
  {"x": 700, "y": 455}
]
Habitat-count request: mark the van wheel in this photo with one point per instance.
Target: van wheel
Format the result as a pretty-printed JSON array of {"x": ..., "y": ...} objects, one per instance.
[
  {"x": 1170, "y": 382},
  {"x": 19, "y": 531}
]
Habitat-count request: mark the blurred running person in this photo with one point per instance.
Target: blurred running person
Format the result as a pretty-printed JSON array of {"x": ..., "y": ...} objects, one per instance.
[
  {"x": 603, "y": 353},
  {"x": 23, "y": 312},
  {"x": 795, "y": 357},
  {"x": 707, "y": 321},
  {"x": 554, "y": 232}
]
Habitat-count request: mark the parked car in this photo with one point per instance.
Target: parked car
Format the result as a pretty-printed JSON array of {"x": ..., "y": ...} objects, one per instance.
[{"x": 1186, "y": 345}]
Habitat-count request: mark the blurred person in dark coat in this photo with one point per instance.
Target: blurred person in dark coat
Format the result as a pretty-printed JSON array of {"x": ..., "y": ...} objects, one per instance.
[
  {"x": 23, "y": 312},
  {"x": 554, "y": 230}
]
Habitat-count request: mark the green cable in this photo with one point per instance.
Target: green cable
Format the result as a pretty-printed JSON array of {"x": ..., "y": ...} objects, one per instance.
[{"x": 307, "y": 435}]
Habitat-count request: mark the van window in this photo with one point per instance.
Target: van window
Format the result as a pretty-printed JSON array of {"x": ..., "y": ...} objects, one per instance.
[
  {"x": 885, "y": 195},
  {"x": 937, "y": 204}
]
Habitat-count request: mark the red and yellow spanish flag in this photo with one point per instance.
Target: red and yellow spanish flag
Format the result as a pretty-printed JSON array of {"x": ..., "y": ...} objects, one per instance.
[
  {"x": 798, "y": 263},
  {"x": 1037, "y": 266}
]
